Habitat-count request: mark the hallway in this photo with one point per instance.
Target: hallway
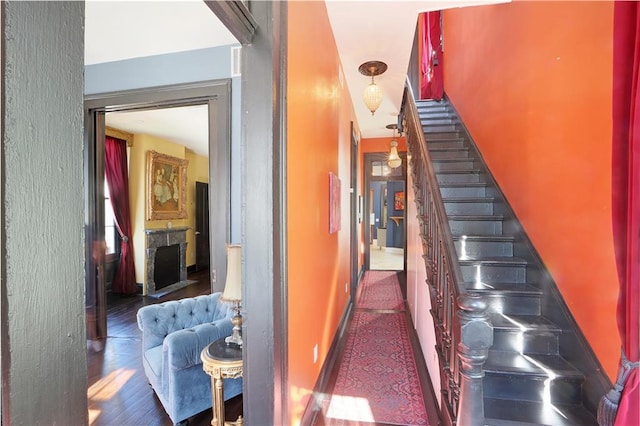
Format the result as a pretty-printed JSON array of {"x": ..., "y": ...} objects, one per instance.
[{"x": 366, "y": 386}]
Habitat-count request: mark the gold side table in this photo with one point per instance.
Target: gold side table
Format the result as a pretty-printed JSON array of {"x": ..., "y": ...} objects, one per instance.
[{"x": 221, "y": 361}]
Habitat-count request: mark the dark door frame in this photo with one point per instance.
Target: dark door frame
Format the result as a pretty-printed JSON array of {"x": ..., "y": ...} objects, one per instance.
[
  {"x": 215, "y": 94},
  {"x": 261, "y": 27},
  {"x": 357, "y": 212},
  {"x": 369, "y": 158}
]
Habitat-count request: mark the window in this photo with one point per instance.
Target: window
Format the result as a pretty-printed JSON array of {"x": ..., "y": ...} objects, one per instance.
[
  {"x": 110, "y": 232},
  {"x": 380, "y": 168}
]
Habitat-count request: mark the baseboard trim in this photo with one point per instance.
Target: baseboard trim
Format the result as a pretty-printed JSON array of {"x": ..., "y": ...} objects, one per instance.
[{"x": 321, "y": 388}]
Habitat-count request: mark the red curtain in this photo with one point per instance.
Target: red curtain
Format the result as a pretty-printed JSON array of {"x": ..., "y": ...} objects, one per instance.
[
  {"x": 626, "y": 202},
  {"x": 117, "y": 175},
  {"x": 431, "y": 86}
]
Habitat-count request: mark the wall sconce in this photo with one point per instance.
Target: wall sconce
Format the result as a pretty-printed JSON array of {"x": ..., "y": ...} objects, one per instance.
[
  {"x": 394, "y": 160},
  {"x": 373, "y": 93}
]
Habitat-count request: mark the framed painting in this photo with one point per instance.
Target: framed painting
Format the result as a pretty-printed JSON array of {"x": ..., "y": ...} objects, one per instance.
[
  {"x": 398, "y": 200},
  {"x": 166, "y": 187},
  {"x": 334, "y": 203}
]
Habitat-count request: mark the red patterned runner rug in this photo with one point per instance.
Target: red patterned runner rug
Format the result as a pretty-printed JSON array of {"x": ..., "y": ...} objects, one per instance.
[
  {"x": 378, "y": 379},
  {"x": 380, "y": 290}
]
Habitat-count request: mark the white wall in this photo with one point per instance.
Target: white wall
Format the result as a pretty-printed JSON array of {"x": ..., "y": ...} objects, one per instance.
[{"x": 418, "y": 291}]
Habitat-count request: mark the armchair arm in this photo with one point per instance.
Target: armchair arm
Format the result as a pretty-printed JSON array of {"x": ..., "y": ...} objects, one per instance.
[{"x": 181, "y": 349}]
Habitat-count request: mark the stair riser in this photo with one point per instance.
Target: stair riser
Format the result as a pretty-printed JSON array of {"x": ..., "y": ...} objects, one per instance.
[
  {"x": 483, "y": 248},
  {"x": 511, "y": 304},
  {"x": 442, "y": 136},
  {"x": 445, "y": 177},
  {"x": 426, "y": 111},
  {"x": 436, "y": 121},
  {"x": 452, "y": 142},
  {"x": 493, "y": 273},
  {"x": 437, "y": 115},
  {"x": 463, "y": 191},
  {"x": 432, "y": 109},
  {"x": 461, "y": 154},
  {"x": 462, "y": 164},
  {"x": 479, "y": 227},
  {"x": 532, "y": 388},
  {"x": 530, "y": 343},
  {"x": 439, "y": 128},
  {"x": 459, "y": 208}
]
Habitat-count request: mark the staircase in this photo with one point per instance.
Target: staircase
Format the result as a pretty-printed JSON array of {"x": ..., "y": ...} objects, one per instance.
[{"x": 540, "y": 370}]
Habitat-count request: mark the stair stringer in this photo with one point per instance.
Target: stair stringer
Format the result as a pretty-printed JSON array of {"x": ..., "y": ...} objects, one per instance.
[{"x": 574, "y": 346}]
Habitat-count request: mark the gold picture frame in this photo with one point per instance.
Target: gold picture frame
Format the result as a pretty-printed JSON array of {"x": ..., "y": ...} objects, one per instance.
[{"x": 166, "y": 187}]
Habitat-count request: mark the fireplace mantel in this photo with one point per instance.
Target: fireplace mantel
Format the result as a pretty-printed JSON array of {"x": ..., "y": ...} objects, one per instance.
[{"x": 164, "y": 237}]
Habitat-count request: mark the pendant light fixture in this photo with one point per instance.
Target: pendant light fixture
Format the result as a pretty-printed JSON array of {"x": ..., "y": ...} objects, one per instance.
[
  {"x": 393, "y": 160},
  {"x": 373, "y": 93}
]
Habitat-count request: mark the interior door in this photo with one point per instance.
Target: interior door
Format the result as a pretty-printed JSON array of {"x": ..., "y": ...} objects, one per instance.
[{"x": 202, "y": 226}]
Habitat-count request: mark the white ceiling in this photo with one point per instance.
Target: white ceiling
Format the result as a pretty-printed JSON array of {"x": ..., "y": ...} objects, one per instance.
[
  {"x": 382, "y": 30},
  {"x": 117, "y": 30}
]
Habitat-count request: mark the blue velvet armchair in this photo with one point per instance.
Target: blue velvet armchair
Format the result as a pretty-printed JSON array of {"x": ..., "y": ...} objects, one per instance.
[{"x": 173, "y": 336}]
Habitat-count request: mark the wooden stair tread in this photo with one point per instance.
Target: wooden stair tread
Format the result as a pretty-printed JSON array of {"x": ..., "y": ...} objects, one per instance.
[
  {"x": 475, "y": 217},
  {"x": 488, "y": 238},
  {"x": 506, "y": 362},
  {"x": 469, "y": 200},
  {"x": 463, "y": 184},
  {"x": 493, "y": 260},
  {"x": 511, "y": 412},
  {"x": 506, "y": 288}
]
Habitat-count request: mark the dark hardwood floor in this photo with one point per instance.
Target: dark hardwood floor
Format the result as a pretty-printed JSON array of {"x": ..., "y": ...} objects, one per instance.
[{"x": 119, "y": 393}]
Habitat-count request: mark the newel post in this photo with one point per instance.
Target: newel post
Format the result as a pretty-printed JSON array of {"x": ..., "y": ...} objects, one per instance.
[{"x": 473, "y": 349}]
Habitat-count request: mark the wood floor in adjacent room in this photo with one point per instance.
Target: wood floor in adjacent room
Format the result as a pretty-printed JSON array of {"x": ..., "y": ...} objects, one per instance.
[{"x": 119, "y": 393}]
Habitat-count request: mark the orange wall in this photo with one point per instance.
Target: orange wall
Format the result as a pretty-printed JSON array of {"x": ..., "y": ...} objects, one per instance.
[
  {"x": 319, "y": 112},
  {"x": 532, "y": 82}
]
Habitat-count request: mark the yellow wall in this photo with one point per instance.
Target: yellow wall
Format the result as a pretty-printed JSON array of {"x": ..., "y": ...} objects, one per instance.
[
  {"x": 197, "y": 169},
  {"x": 319, "y": 112},
  {"x": 533, "y": 84}
]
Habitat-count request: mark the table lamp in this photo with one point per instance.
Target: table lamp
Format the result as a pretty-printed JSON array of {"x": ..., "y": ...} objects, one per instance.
[{"x": 233, "y": 290}]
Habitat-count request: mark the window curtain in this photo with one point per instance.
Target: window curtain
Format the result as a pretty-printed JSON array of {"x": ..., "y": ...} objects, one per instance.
[
  {"x": 117, "y": 175},
  {"x": 626, "y": 212},
  {"x": 432, "y": 85}
]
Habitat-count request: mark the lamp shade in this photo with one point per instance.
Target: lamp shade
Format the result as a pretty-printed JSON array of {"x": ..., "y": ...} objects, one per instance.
[
  {"x": 233, "y": 285},
  {"x": 372, "y": 96},
  {"x": 394, "y": 159}
]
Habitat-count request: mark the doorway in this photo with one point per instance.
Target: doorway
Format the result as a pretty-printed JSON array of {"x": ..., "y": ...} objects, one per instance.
[
  {"x": 385, "y": 231},
  {"x": 213, "y": 96}
]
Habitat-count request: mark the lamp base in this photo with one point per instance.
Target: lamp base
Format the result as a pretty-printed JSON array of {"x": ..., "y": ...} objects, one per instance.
[{"x": 236, "y": 320}]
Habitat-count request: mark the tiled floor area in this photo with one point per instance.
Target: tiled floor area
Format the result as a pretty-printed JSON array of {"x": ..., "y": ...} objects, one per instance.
[{"x": 386, "y": 258}]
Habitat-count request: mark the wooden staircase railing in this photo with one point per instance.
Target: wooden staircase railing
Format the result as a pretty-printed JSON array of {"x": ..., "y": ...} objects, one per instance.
[{"x": 463, "y": 331}]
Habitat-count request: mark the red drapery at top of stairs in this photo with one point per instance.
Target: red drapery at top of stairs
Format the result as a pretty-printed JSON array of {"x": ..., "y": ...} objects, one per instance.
[
  {"x": 626, "y": 210},
  {"x": 431, "y": 75}
]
